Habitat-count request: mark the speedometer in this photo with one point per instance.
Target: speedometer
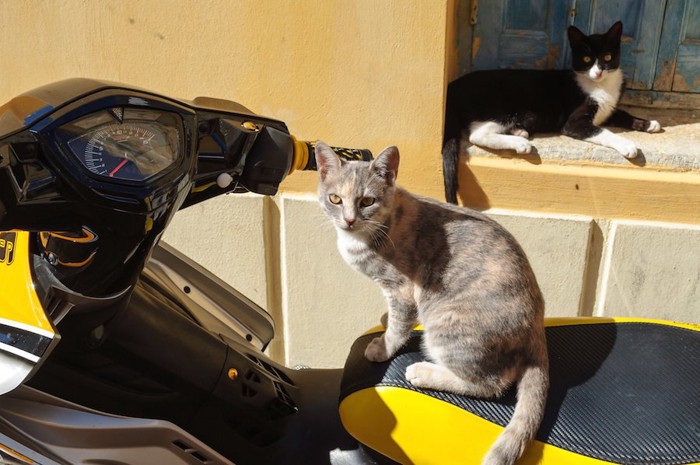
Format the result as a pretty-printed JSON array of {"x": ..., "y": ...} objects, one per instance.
[{"x": 132, "y": 145}]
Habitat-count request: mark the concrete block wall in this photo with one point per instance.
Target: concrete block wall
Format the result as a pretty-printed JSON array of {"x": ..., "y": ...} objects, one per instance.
[
  {"x": 281, "y": 252},
  {"x": 651, "y": 270}
]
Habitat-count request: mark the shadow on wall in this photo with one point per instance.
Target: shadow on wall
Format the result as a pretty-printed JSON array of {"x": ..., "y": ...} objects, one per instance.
[{"x": 470, "y": 192}]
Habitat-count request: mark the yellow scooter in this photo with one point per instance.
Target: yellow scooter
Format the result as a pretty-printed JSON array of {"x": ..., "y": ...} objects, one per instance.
[{"x": 117, "y": 349}]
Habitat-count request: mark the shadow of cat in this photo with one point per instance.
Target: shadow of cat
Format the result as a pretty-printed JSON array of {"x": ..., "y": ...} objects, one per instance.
[
  {"x": 470, "y": 192},
  {"x": 572, "y": 367},
  {"x": 640, "y": 160},
  {"x": 532, "y": 157}
]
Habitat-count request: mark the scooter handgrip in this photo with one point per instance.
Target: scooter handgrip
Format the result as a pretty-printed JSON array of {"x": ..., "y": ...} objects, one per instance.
[{"x": 305, "y": 159}]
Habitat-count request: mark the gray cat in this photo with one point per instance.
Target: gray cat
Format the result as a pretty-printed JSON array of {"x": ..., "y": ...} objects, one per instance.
[{"x": 458, "y": 273}]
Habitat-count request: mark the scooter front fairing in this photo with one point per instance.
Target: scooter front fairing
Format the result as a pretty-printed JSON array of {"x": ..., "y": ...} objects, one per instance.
[{"x": 159, "y": 361}]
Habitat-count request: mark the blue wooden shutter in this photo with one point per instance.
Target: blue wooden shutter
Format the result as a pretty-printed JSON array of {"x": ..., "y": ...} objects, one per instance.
[
  {"x": 529, "y": 34},
  {"x": 660, "y": 42},
  {"x": 678, "y": 67}
]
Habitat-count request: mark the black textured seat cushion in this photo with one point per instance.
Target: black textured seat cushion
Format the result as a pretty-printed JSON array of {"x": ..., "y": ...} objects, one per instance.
[{"x": 626, "y": 393}]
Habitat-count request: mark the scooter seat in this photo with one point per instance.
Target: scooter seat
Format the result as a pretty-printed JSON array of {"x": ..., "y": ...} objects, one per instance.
[{"x": 621, "y": 392}]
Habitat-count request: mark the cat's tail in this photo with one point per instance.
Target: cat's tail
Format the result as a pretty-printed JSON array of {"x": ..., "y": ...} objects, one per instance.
[
  {"x": 450, "y": 163},
  {"x": 529, "y": 410},
  {"x": 450, "y": 146}
]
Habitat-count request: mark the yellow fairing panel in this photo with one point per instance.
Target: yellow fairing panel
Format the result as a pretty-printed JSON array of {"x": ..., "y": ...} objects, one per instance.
[
  {"x": 26, "y": 334},
  {"x": 19, "y": 303}
]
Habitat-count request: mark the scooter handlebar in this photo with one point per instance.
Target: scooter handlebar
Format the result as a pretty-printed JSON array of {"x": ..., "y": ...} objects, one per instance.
[{"x": 305, "y": 159}]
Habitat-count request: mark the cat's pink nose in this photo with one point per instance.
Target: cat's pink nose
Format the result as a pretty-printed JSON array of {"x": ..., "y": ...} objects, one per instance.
[{"x": 350, "y": 221}]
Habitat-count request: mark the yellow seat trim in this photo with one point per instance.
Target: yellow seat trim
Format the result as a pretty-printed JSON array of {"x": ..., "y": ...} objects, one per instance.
[{"x": 414, "y": 429}]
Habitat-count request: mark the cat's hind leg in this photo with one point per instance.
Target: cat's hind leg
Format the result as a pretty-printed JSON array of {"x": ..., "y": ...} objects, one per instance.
[
  {"x": 622, "y": 119},
  {"x": 493, "y": 135},
  {"x": 429, "y": 375}
]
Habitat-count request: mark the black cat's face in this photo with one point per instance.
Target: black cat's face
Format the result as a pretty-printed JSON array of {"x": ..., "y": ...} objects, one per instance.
[{"x": 595, "y": 55}]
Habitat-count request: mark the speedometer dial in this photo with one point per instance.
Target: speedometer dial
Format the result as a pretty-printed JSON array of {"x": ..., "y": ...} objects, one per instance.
[
  {"x": 141, "y": 145},
  {"x": 127, "y": 151}
]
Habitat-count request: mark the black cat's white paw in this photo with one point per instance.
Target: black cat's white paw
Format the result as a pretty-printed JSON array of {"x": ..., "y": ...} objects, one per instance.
[
  {"x": 654, "y": 126},
  {"x": 523, "y": 147},
  {"x": 627, "y": 148}
]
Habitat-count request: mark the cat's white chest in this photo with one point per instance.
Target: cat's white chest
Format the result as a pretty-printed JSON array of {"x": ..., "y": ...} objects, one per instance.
[
  {"x": 605, "y": 93},
  {"x": 353, "y": 248}
]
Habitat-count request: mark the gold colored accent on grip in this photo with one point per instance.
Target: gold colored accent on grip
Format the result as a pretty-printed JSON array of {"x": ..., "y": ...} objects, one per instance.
[{"x": 301, "y": 155}]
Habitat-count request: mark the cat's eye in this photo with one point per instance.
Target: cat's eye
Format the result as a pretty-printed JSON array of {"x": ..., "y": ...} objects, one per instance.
[
  {"x": 334, "y": 199},
  {"x": 607, "y": 57},
  {"x": 367, "y": 201},
  {"x": 586, "y": 59}
]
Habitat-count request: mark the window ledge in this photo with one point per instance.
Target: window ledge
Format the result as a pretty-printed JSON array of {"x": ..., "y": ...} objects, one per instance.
[
  {"x": 568, "y": 176},
  {"x": 676, "y": 148}
]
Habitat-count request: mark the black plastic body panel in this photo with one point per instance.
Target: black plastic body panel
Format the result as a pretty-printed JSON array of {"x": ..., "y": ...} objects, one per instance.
[{"x": 214, "y": 304}]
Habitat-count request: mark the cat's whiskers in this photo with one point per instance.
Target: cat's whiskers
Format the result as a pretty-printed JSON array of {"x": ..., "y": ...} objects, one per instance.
[{"x": 379, "y": 234}]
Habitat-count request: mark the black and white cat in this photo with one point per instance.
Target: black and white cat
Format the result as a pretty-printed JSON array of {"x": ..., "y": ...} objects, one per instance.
[{"x": 502, "y": 108}]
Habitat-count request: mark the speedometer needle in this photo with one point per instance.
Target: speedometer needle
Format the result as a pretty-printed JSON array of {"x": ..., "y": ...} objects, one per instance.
[{"x": 118, "y": 167}]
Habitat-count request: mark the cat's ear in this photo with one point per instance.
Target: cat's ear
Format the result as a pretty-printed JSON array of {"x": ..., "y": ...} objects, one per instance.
[
  {"x": 326, "y": 160},
  {"x": 387, "y": 164},
  {"x": 614, "y": 35},
  {"x": 576, "y": 37}
]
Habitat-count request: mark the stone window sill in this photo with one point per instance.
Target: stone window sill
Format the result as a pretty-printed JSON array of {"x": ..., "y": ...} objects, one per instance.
[
  {"x": 568, "y": 176},
  {"x": 676, "y": 148}
]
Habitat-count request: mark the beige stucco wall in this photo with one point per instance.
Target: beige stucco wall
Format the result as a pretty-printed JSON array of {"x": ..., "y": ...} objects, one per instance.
[{"x": 361, "y": 73}]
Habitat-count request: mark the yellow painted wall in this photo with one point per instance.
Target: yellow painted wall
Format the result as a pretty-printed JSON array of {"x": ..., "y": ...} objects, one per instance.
[{"x": 362, "y": 73}]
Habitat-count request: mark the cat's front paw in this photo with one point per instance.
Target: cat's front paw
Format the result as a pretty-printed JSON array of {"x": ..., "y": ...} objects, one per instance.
[
  {"x": 627, "y": 148},
  {"x": 413, "y": 373},
  {"x": 654, "y": 126},
  {"x": 420, "y": 374},
  {"x": 376, "y": 350}
]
